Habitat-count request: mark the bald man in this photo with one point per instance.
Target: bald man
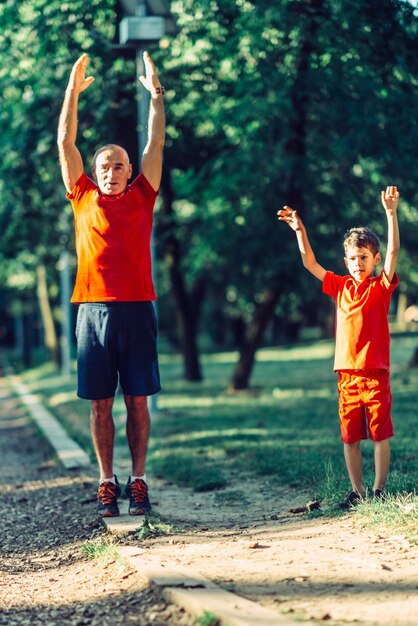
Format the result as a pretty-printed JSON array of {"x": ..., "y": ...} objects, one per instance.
[{"x": 116, "y": 324}]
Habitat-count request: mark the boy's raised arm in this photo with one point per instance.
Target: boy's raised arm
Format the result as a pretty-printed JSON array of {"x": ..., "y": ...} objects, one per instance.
[
  {"x": 291, "y": 217},
  {"x": 70, "y": 158},
  {"x": 390, "y": 199}
]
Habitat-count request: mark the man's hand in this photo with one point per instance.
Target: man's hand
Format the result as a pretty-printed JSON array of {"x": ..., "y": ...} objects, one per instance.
[
  {"x": 291, "y": 217},
  {"x": 390, "y": 199},
  {"x": 150, "y": 80},
  {"x": 78, "y": 80}
]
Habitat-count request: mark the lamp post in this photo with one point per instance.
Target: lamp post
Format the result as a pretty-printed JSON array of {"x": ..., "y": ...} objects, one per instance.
[
  {"x": 144, "y": 22},
  {"x": 64, "y": 267}
]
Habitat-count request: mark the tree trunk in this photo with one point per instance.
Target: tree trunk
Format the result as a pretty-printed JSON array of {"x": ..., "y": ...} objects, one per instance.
[
  {"x": 296, "y": 149},
  {"x": 252, "y": 340},
  {"x": 185, "y": 311},
  {"x": 50, "y": 336},
  {"x": 27, "y": 340},
  {"x": 414, "y": 361}
]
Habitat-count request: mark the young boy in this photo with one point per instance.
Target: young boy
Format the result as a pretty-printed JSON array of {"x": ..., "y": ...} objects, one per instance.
[{"x": 362, "y": 340}]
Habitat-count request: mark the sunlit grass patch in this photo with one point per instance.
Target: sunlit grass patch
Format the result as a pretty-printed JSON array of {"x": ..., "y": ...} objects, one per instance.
[
  {"x": 102, "y": 549},
  {"x": 396, "y": 513}
]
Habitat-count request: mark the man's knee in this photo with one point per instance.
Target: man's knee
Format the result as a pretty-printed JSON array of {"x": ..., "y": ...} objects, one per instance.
[
  {"x": 135, "y": 402},
  {"x": 101, "y": 408}
]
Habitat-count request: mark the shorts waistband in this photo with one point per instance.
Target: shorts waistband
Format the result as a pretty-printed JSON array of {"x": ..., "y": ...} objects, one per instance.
[
  {"x": 365, "y": 372},
  {"x": 112, "y": 305}
]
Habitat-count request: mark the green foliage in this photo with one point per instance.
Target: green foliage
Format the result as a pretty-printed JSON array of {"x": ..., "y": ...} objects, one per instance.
[{"x": 305, "y": 102}]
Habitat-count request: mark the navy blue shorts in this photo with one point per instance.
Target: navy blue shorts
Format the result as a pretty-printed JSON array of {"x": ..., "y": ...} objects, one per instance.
[{"x": 116, "y": 341}]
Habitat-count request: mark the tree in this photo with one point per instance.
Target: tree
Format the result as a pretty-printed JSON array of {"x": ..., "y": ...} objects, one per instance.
[{"x": 287, "y": 103}]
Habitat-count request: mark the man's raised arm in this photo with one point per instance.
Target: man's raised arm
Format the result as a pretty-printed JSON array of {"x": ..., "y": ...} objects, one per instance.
[
  {"x": 70, "y": 158},
  {"x": 152, "y": 158}
]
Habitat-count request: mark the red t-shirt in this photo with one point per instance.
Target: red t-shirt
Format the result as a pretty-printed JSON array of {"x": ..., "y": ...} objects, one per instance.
[
  {"x": 113, "y": 235},
  {"x": 362, "y": 331}
]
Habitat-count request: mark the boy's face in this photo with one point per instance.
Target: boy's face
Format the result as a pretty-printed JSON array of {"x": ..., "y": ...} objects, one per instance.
[{"x": 361, "y": 262}]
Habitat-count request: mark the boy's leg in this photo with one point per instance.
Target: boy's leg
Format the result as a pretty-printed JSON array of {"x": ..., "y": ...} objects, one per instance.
[
  {"x": 381, "y": 463},
  {"x": 353, "y": 426},
  {"x": 352, "y": 456},
  {"x": 380, "y": 425}
]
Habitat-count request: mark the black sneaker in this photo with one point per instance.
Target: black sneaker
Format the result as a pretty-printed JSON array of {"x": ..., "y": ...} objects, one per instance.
[
  {"x": 378, "y": 494},
  {"x": 107, "y": 497},
  {"x": 351, "y": 500},
  {"x": 137, "y": 491}
]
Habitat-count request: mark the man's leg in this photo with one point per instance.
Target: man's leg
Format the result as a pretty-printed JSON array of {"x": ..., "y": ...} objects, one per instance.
[
  {"x": 137, "y": 431},
  {"x": 381, "y": 463},
  {"x": 103, "y": 435},
  {"x": 352, "y": 456}
]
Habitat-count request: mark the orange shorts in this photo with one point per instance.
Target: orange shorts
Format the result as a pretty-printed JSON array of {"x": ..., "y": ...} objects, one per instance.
[{"x": 364, "y": 402}]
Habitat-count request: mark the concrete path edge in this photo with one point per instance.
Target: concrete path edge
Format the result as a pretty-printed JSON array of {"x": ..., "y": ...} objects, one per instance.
[{"x": 68, "y": 451}]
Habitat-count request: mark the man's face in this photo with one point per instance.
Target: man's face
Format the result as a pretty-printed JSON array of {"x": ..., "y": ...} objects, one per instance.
[
  {"x": 361, "y": 262},
  {"x": 112, "y": 171}
]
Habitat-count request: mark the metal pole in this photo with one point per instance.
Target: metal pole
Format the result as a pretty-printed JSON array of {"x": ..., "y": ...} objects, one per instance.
[{"x": 64, "y": 265}]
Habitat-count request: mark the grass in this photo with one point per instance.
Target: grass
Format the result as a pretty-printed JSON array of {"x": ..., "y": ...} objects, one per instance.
[
  {"x": 285, "y": 432},
  {"x": 101, "y": 549},
  {"x": 208, "y": 619},
  {"x": 399, "y": 511},
  {"x": 154, "y": 526}
]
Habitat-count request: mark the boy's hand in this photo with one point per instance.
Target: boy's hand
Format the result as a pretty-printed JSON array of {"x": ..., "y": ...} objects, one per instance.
[
  {"x": 390, "y": 199},
  {"x": 291, "y": 217}
]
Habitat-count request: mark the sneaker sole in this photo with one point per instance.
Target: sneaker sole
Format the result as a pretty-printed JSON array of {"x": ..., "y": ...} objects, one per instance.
[
  {"x": 108, "y": 514},
  {"x": 139, "y": 512}
]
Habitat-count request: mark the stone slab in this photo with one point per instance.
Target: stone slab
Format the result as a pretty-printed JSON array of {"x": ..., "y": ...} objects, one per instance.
[{"x": 198, "y": 595}]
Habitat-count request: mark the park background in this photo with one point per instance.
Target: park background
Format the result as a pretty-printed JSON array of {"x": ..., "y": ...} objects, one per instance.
[{"x": 310, "y": 103}]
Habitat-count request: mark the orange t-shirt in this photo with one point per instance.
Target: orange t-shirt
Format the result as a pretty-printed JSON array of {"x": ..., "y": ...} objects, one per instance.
[
  {"x": 362, "y": 331},
  {"x": 113, "y": 235}
]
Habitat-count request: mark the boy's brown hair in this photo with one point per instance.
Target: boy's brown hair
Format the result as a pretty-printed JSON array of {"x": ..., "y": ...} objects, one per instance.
[{"x": 361, "y": 237}]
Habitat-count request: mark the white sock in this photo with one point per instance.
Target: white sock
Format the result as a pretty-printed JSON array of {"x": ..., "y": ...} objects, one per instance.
[
  {"x": 107, "y": 480},
  {"x": 132, "y": 478}
]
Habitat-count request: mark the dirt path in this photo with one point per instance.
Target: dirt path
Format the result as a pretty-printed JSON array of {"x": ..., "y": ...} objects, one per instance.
[
  {"x": 330, "y": 570},
  {"x": 244, "y": 538},
  {"x": 45, "y": 578}
]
